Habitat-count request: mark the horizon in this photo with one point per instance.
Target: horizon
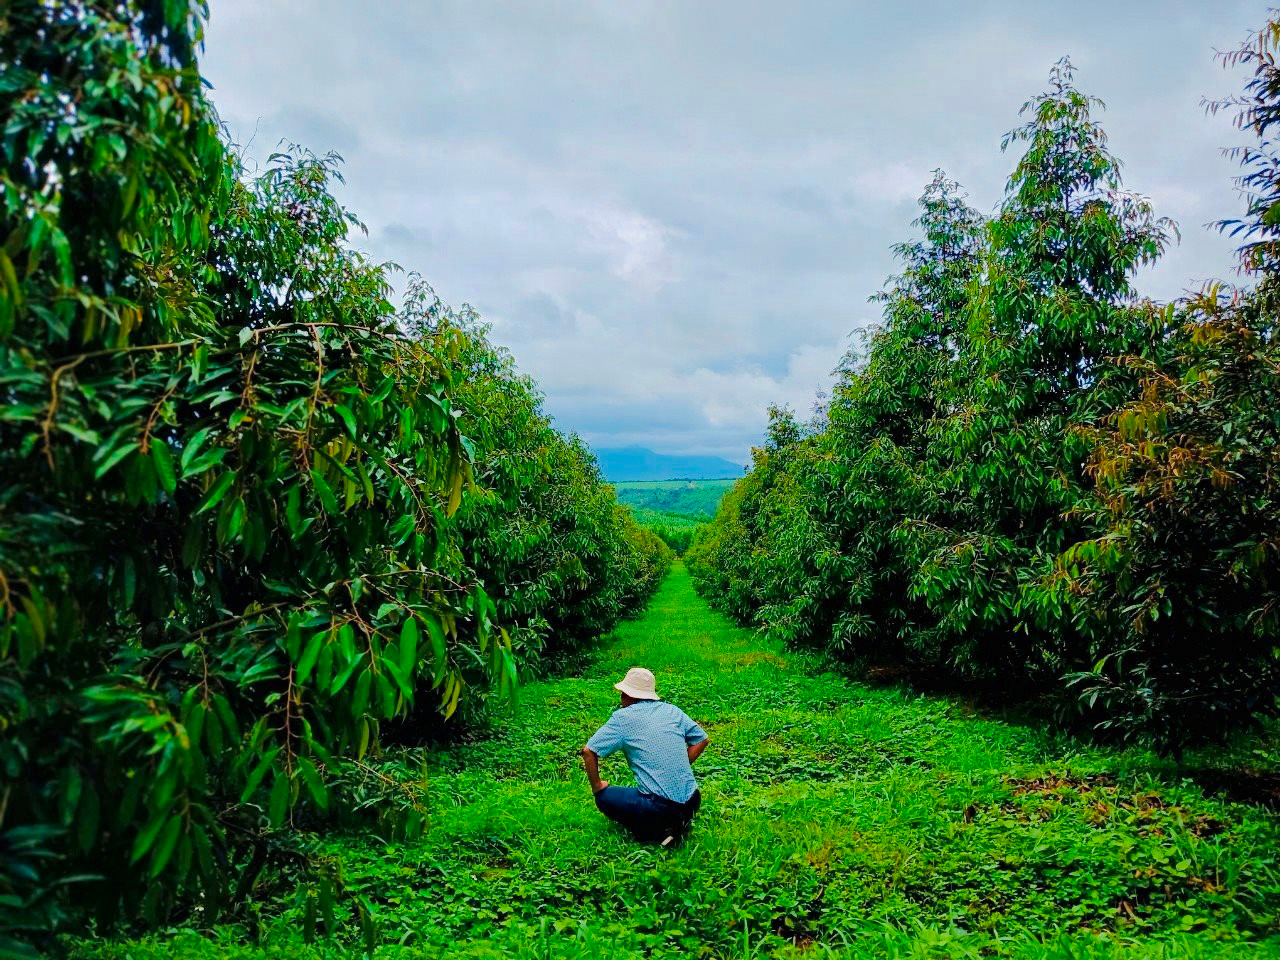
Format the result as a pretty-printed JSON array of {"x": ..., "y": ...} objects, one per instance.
[{"x": 642, "y": 464}]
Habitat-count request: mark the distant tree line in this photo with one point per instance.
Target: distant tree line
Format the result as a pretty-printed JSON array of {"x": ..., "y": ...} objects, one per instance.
[
  {"x": 1029, "y": 475},
  {"x": 690, "y": 498},
  {"x": 673, "y": 529}
]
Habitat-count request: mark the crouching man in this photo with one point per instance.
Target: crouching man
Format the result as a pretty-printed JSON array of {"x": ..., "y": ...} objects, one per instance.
[{"x": 661, "y": 743}]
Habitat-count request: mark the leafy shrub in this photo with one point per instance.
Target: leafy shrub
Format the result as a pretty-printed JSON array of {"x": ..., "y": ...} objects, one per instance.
[
  {"x": 1182, "y": 584},
  {"x": 1032, "y": 477},
  {"x": 225, "y": 472},
  {"x": 1052, "y": 305}
]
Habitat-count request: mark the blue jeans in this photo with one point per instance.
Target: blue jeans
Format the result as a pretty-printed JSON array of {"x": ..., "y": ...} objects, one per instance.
[{"x": 646, "y": 815}]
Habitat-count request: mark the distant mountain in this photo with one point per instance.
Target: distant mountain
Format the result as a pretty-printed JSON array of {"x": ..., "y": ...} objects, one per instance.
[{"x": 638, "y": 463}]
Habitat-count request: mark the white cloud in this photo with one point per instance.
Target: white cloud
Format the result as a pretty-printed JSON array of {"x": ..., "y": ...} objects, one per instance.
[
  {"x": 674, "y": 213},
  {"x": 892, "y": 184},
  {"x": 636, "y": 244}
]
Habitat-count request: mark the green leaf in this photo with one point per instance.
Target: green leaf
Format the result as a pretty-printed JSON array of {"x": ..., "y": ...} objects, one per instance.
[
  {"x": 368, "y": 927},
  {"x": 401, "y": 680},
  {"x": 309, "y": 655},
  {"x": 436, "y": 633},
  {"x": 226, "y": 715},
  {"x": 115, "y": 457},
  {"x": 10, "y": 278},
  {"x": 360, "y": 701},
  {"x": 259, "y": 772},
  {"x": 216, "y": 492},
  {"x": 327, "y": 500},
  {"x": 62, "y": 251},
  {"x": 408, "y": 645},
  {"x": 146, "y": 837},
  {"x": 278, "y": 805},
  {"x": 293, "y": 510},
  {"x": 163, "y": 465},
  {"x": 309, "y": 919},
  {"x": 385, "y": 683},
  {"x": 192, "y": 448},
  {"x": 343, "y": 411},
  {"x": 401, "y": 529},
  {"x": 164, "y": 846},
  {"x": 315, "y": 786},
  {"x": 293, "y": 636},
  {"x": 347, "y": 641},
  {"x": 214, "y": 732},
  {"x": 509, "y": 679},
  {"x": 367, "y": 481},
  {"x": 88, "y": 817},
  {"x": 343, "y": 676},
  {"x": 194, "y": 723}
]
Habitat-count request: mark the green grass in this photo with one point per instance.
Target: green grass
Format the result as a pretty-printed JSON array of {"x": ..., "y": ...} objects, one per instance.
[{"x": 839, "y": 820}]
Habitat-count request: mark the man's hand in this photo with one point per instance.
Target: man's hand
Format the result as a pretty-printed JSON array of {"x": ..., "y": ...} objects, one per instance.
[{"x": 597, "y": 788}]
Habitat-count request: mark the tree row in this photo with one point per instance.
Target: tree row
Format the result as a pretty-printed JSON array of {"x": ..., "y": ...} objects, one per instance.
[
  {"x": 1030, "y": 477},
  {"x": 254, "y": 512}
]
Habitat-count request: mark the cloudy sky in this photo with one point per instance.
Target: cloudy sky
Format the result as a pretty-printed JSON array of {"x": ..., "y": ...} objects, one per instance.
[{"x": 674, "y": 212}]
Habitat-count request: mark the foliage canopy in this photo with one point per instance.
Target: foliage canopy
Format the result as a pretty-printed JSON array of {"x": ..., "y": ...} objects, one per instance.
[{"x": 1033, "y": 478}]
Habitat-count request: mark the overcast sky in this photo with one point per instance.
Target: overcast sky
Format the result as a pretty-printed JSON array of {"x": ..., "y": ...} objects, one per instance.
[{"x": 674, "y": 212}]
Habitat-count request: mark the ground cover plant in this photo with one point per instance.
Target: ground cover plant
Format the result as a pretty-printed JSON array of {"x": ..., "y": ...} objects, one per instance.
[{"x": 839, "y": 820}]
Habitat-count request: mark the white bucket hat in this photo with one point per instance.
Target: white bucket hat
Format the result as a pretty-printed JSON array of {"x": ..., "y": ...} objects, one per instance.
[{"x": 638, "y": 684}]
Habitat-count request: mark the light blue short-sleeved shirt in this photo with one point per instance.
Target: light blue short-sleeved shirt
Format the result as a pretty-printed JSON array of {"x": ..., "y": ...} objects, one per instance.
[{"x": 655, "y": 736}]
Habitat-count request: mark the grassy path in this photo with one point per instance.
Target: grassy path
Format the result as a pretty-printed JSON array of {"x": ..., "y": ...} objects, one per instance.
[{"x": 838, "y": 820}]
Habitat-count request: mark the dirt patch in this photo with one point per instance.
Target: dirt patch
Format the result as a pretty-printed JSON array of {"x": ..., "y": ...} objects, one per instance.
[
  {"x": 803, "y": 929},
  {"x": 757, "y": 657},
  {"x": 1058, "y": 784},
  {"x": 1102, "y": 803}
]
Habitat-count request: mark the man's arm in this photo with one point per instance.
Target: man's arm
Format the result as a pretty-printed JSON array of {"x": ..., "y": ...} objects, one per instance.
[
  {"x": 695, "y": 738},
  {"x": 592, "y": 764},
  {"x": 695, "y": 749}
]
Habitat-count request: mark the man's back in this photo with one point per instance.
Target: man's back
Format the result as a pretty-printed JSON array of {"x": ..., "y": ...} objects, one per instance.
[{"x": 655, "y": 736}]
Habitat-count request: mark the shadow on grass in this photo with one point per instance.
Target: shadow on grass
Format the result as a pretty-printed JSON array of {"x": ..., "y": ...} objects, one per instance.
[{"x": 1241, "y": 785}]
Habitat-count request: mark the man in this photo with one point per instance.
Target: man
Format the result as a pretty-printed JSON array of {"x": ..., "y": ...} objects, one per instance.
[{"x": 661, "y": 743}]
